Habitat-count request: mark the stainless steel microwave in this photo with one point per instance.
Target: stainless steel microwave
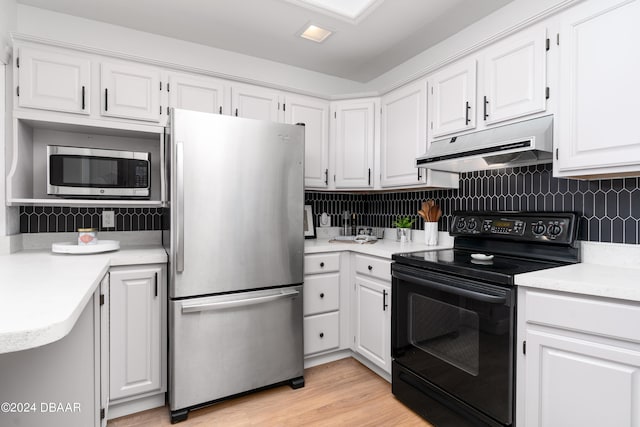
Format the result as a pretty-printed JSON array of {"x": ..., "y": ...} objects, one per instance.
[{"x": 97, "y": 173}]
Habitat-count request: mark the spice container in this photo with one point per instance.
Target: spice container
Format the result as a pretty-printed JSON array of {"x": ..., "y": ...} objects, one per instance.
[{"x": 87, "y": 236}]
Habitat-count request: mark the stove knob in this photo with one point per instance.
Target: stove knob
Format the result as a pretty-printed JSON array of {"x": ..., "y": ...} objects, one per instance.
[
  {"x": 555, "y": 230},
  {"x": 538, "y": 229},
  {"x": 461, "y": 223},
  {"x": 472, "y": 224}
]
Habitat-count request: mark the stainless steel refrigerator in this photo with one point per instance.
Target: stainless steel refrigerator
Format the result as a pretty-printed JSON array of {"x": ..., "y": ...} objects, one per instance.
[{"x": 235, "y": 247}]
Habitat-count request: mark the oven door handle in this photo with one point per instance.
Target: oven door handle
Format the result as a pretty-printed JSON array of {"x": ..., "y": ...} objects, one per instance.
[{"x": 478, "y": 296}]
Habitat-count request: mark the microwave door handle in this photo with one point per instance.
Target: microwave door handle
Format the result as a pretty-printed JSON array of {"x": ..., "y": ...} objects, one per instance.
[
  {"x": 180, "y": 207},
  {"x": 222, "y": 305},
  {"x": 478, "y": 296}
]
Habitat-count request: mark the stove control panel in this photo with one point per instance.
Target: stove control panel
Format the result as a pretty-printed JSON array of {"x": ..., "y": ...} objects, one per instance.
[{"x": 553, "y": 227}]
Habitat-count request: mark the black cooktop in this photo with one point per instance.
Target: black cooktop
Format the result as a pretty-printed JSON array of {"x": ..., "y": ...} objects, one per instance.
[
  {"x": 495, "y": 246},
  {"x": 499, "y": 269}
]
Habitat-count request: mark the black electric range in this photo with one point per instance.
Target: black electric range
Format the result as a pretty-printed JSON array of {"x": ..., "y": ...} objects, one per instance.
[{"x": 454, "y": 313}]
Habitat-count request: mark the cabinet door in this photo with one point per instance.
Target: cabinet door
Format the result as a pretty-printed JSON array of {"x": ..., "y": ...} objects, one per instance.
[
  {"x": 315, "y": 116},
  {"x": 207, "y": 95},
  {"x": 453, "y": 99},
  {"x": 403, "y": 135},
  {"x": 515, "y": 76},
  {"x": 373, "y": 322},
  {"x": 253, "y": 102},
  {"x": 130, "y": 91},
  {"x": 135, "y": 331},
  {"x": 354, "y": 143},
  {"x": 597, "y": 130},
  {"x": 54, "y": 81},
  {"x": 571, "y": 381},
  {"x": 104, "y": 349}
]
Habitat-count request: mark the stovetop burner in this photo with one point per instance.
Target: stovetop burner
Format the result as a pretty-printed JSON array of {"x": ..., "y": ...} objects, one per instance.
[{"x": 506, "y": 244}]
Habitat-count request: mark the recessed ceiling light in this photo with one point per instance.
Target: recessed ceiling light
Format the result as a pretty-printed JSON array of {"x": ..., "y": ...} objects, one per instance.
[{"x": 315, "y": 33}]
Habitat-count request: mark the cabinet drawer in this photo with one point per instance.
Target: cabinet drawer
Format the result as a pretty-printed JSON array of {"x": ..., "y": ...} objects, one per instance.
[
  {"x": 379, "y": 268},
  {"x": 321, "y": 293},
  {"x": 321, "y": 332},
  {"x": 321, "y": 263},
  {"x": 614, "y": 319}
]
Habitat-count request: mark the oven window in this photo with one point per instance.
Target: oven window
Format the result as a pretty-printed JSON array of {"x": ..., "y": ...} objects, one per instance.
[
  {"x": 89, "y": 171},
  {"x": 445, "y": 331}
]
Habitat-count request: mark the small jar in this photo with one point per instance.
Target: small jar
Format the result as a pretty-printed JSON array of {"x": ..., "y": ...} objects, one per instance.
[{"x": 87, "y": 236}]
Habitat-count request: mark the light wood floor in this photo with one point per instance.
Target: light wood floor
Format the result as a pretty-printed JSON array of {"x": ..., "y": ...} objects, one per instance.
[{"x": 341, "y": 393}]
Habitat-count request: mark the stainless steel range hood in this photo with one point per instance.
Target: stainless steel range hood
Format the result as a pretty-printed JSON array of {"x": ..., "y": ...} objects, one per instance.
[{"x": 519, "y": 144}]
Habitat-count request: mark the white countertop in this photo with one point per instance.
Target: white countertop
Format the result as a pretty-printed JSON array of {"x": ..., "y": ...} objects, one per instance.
[
  {"x": 382, "y": 248},
  {"x": 608, "y": 281},
  {"x": 43, "y": 294}
]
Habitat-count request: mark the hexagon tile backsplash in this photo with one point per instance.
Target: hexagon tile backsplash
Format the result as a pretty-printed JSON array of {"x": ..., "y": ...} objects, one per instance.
[
  {"x": 610, "y": 208},
  {"x": 52, "y": 219}
]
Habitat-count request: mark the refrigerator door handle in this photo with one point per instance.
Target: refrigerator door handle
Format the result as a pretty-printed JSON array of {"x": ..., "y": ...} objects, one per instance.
[
  {"x": 194, "y": 308},
  {"x": 180, "y": 207}
]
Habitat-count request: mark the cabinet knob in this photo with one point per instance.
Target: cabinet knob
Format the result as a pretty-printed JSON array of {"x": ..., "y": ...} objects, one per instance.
[
  {"x": 370, "y": 268},
  {"x": 322, "y": 264},
  {"x": 321, "y": 334},
  {"x": 322, "y": 295}
]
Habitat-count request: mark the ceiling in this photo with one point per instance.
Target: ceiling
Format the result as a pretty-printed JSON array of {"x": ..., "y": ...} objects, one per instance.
[{"x": 361, "y": 48}]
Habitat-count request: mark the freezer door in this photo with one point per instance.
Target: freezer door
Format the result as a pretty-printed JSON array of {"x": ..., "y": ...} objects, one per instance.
[
  {"x": 230, "y": 344},
  {"x": 237, "y": 204}
]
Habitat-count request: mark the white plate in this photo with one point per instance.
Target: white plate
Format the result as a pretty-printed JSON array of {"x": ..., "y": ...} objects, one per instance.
[
  {"x": 482, "y": 257},
  {"x": 74, "y": 248}
]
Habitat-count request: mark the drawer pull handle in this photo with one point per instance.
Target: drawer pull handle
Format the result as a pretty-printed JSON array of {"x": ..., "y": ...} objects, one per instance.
[
  {"x": 321, "y": 334},
  {"x": 321, "y": 264},
  {"x": 322, "y": 295},
  {"x": 370, "y": 268}
]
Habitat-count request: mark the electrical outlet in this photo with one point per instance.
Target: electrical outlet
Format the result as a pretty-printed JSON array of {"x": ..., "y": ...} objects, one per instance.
[{"x": 108, "y": 219}]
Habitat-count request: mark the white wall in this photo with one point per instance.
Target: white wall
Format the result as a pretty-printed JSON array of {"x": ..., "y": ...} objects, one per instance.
[
  {"x": 79, "y": 31},
  {"x": 8, "y": 12}
]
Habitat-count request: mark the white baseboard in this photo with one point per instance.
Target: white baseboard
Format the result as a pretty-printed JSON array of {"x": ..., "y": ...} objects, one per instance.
[{"x": 118, "y": 410}]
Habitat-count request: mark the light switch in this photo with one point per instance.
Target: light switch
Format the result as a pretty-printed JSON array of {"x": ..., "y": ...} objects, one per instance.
[{"x": 108, "y": 219}]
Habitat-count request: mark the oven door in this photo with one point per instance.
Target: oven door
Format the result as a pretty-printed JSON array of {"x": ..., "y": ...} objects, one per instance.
[{"x": 457, "y": 335}]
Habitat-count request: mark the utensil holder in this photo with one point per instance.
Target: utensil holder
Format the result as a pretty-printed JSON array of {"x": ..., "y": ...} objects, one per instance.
[
  {"x": 430, "y": 233},
  {"x": 403, "y": 235}
]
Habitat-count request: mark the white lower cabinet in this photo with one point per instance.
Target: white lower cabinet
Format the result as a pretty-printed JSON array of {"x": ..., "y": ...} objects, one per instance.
[
  {"x": 137, "y": 337},
  {"x": 321, "y": 305},
  {"x": 58, "y": 384},
  {"x": 582, "y": 360},
  {"x": 372, "y": 310}
]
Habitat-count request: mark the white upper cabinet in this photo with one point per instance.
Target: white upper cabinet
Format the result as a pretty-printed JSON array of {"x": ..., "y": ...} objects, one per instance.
[
  {"x": 597, "y": 129},
  {"x": 130, "y": 91},
  {"x": 453, "y": 99},
  {"x": 314, "y": 113},
  {"x": 403, "y": 133},
  {"x": 404, "y": 137},
  {"x": 51, "y": 80},
  {"x": 254, "y": 102},
  {"x": 515, "y": 76},
  {"x": 204, "y": 94},
  {"x": 354, "y": 143}
]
